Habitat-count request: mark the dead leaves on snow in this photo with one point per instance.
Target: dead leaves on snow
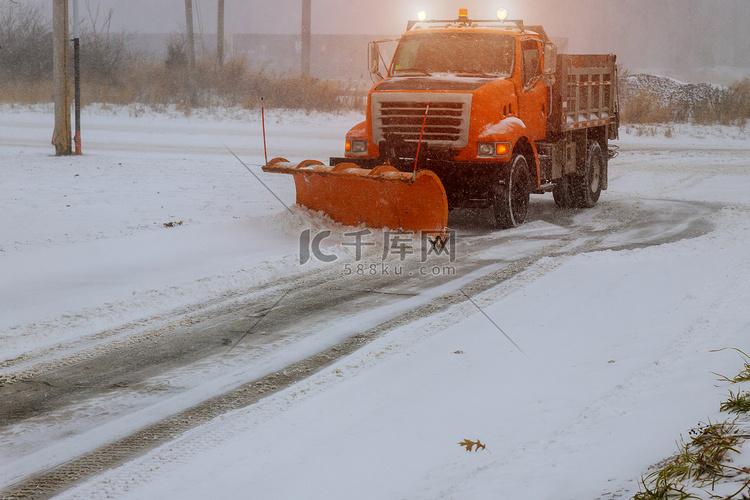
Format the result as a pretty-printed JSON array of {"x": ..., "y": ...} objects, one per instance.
[{"x": 471, "y": 444}]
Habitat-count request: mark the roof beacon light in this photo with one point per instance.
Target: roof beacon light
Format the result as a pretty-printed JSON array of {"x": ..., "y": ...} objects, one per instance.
[
  {"x": 502, "y": 14},
  {"x": 422, "y": 15},
  {"x": 463, "y": 13}
]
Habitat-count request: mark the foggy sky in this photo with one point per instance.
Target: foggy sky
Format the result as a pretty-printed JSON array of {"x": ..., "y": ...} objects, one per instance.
[
  {"x": 283, "y": 16},
  {"x": 645, "y": 34},
  {"x": 591, "y": 25}
]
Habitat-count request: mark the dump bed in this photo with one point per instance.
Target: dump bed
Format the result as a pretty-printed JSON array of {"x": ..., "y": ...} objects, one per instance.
[{"x": 584, "y": 93}]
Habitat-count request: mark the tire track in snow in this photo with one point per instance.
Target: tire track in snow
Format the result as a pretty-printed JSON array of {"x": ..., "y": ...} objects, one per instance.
[
  {"x": 554, "y": 253},
  {"x": 58, "y": 478}
]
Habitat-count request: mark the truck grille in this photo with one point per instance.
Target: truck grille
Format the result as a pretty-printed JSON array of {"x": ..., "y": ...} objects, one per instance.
[{"x": 447, "y": 124}]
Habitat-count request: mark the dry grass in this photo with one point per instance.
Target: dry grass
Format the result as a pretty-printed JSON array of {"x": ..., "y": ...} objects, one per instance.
[
  {"x": 700, "y": 463},
  {"x": 737, "y": 403},
  {"x": 706, "y": 459},
  {"x": 735, "y": 108},
  {"x": 26, "y": 93},
  {"x": 233, "y": 84},
  {"x": 113, "y": 72},
  {"x": 724, "y": 106},
  {"x": 744, "y": 375},
  {"x": 644, "y": 108}
]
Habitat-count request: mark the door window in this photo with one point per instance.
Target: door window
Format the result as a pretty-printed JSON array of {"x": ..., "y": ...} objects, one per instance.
[{"x": 532, "y": 69}]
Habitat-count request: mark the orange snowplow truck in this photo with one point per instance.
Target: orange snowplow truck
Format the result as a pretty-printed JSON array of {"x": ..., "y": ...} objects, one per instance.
[{"x": 471, "y": 113}]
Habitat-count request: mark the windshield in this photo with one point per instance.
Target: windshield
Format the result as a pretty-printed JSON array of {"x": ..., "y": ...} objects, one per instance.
[{"x": 463, "y": 54}]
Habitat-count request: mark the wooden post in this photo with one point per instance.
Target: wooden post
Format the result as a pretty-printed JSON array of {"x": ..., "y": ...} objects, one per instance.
[
  {"x": 220, "y": 34},
  {"x": 306, "y": 15},
  {"x": 60, "y": 71},
  {"x": 190, "y": 50}
]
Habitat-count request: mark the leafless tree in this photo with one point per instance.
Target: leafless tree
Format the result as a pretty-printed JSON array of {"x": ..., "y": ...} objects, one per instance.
[{"x": 26, "y": 40}]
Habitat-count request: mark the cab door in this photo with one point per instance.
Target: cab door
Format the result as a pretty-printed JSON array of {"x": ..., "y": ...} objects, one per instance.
[{"x": 532, "y": 99}]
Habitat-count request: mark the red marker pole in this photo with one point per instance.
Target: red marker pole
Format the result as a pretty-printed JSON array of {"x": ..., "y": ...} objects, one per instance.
[
  {"x": 419, "y": 144},
  {"x": 263, "y": 122}
]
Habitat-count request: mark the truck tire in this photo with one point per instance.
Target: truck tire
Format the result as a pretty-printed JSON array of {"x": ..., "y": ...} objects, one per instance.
[
  {"x": 510, "y": 203},
  {"x": 562, "y": 193},
  {"x": 587, "y": 188}
]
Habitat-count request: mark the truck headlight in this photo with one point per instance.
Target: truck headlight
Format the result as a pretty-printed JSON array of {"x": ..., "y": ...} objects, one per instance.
[
  {"x": 485, "y": 149},
  {"x": 356, "y": 146},
  {"x": 493, "y": 149}
]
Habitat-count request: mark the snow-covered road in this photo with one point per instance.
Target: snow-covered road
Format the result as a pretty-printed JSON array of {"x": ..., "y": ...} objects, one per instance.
[{"x": 615, "y": 311}]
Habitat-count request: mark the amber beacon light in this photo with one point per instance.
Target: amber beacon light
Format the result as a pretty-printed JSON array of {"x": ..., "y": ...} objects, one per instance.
[{"x": 463, "y": 13}]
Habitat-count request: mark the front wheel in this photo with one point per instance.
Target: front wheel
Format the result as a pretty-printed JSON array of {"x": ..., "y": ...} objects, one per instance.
[{"x": 510, "y": 203}]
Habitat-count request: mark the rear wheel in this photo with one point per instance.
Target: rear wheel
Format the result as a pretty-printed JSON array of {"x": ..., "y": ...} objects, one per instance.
[
  {"x": 587, "y": 188},
  {"x": 563, "y": 194},
  {"x": 510, "y": 203}
]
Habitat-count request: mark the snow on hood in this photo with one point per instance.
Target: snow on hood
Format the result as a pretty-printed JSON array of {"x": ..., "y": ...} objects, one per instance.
[
  {"x": 437, "y": 81},
  {"x": 502, "y": 127}
]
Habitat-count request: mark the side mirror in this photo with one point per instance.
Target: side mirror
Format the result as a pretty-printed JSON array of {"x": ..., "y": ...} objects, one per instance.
[
  {"x": 374, "y": 59},
  {"x": 550, "y": 59}
]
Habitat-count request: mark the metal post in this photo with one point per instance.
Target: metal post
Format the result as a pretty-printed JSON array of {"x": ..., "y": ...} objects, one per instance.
[
  {"x": 60, "y": 70},
  {"x": 77, "y": 73},
  {"x": 306, "y": 15},
  {"x": 220, "y": 34},
  {"x": 190, "y": 50}
]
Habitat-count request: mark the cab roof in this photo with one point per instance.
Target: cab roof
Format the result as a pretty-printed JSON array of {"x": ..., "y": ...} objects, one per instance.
[{"x": 484, "y": 26}]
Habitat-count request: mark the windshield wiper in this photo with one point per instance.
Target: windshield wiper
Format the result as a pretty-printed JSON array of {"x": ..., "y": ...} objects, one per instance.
[
  {"x": 416, "y": 70},
  {"x": 479, "y": 74}
]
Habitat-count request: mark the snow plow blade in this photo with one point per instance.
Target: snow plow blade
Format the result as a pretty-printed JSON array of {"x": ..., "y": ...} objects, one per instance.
[{"x": 381, "y": 197}]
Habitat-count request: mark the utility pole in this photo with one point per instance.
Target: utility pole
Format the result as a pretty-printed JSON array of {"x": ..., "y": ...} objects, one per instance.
[
  {"x": 190, "y": 50},
  {"x": 60, "y": 72},
  {"x": 220, "y": 34},
  {"x": 306, "y": 15}
]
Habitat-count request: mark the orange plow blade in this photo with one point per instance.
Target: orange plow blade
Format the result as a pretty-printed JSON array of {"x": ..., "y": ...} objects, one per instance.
[{"x": 381, "y": 197}]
